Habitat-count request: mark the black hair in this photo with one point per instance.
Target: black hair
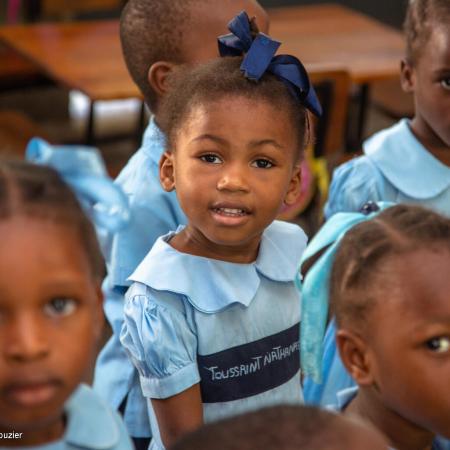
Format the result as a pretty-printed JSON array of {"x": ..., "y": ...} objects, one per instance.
[
  {"x": 151, "y": 31},
  {"x": 422, "y": 17},
  {"x": 39, "y": 192},
  {"x": 398, "y": 230},
  {"x": 221, "y": 78},
  {"x": 275, "y": 428}
]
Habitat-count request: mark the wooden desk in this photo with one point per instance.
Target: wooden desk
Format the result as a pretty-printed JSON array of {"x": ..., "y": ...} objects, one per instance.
[
  {"x": 333, "y": 34},
  {"x": 86, "y": 56}
]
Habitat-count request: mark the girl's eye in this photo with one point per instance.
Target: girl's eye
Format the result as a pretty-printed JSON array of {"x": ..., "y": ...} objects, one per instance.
[
  {"x": 211, "y": 159},
  {"x": 446, "y": 83},
  {"x": 439, "y": 344},
  {"x": 262, "y": 164},
  {"x": 60, "y": 307}
]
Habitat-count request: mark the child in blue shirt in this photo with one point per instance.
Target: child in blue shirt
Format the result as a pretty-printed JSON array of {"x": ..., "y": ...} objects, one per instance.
[
  {"x": 51, "y": 302},
  {"x": 212, "y": 316},
  {"x": 389, "y": 288},
  {"x": 156, "y": 37},
  {"x": 409, "y": 162}
]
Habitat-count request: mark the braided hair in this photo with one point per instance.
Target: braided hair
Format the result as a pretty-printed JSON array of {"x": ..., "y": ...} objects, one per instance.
[
  {"x": 422, "y": 17},
  {"x": 398, "y": 230},
  {"x": 39, "y": 192}
]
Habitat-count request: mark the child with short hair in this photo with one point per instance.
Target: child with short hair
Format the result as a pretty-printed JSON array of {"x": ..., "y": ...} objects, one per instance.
[
  {"x": 212, "y": 316},
  {"x": 156, "y": 36},
  {"x": 285, "y": 428},
  {"x": 409, "y": 162},
  {"x": 51, "y": 302},
  {"x": 389, "y": 290}
]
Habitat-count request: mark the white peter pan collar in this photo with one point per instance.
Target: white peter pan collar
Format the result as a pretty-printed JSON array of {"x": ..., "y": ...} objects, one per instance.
[
  {"x": 212, "y": 285},
  {"x": 406, "y": 163}
]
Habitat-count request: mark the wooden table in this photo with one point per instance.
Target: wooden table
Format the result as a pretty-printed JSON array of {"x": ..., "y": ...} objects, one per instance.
[{"x": 86, "y": 56}]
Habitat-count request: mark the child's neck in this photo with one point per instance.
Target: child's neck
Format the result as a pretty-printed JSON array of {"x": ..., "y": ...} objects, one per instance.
[
  {"x": 48, "y": 433},
  {"x": 401, "y": 433},
  {"x": 430, "y": 141},
  {"x": 192, "y": 242}
]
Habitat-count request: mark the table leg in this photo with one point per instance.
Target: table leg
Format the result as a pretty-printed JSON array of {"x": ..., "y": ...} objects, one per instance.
[{"x": 90, "y": 124}]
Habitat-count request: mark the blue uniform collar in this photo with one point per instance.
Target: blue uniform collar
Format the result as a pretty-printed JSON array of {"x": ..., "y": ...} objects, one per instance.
[
  {"x": 406, "y": 163},
  {"x": 212, "y": 285},
  {"x": 153, "y": 141},
  {"x": 90, "y": 423}
]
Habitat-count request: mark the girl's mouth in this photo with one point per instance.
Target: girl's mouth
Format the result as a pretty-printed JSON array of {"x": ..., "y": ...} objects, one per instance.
[
  {"x": 31, "y": 394},
  {"x": 231, "y": 212}
]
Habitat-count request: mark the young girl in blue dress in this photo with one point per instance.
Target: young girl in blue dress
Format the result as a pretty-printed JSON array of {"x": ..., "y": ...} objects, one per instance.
[
  {"x": 212, "y": 318},
  {"x": 51, "y": 302},
  {"x": 389, "y": 290},
  {"x": 409, "y": 162}
]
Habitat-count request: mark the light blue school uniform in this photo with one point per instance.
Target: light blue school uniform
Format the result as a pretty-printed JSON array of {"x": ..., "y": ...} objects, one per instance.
[
  {"x": 233, "y": 328},
  {"x": 395, "y": 167},
  {"x": 345, "y": 396},
  {"x": 154, "y": 212},
  {"x": 90, "y": 425}
]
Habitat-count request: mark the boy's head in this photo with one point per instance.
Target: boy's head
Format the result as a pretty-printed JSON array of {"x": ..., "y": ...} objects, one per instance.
[
  {"x": 285, "y": 428},
  {"x": 50, "y": 303},
  {"x": 389, "y": 290},
  {"x": 425, "y": 71},
  {"x": 157, "y": 35}
]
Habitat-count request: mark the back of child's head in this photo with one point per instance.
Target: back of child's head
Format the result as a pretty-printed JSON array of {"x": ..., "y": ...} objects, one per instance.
[
  {"x": 164, "y": 30},
  {"x": 356, "y": 283},
  {"x": 220, "y": 79},
  {"x": 284, "y": 428},
  {"x": 422, "y": 17},
  {"x": 38, "y": 192}
]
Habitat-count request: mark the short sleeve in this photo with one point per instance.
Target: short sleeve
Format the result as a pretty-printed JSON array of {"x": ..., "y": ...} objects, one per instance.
[
  {"x": 162, "y": 345},
  {"x": 354, "y": 183}
]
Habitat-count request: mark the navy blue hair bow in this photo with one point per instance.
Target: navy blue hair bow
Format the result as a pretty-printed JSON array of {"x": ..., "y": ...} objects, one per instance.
[
  {"x": 259, "y": 57},
  {"x": 83, "y": 170}
]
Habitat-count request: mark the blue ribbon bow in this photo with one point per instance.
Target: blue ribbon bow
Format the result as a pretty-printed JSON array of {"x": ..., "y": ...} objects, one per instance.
[
  {"x": 259, "y": 57},
  {"x": 82, "y": 168},
  {"x": 316, "y": 284}
]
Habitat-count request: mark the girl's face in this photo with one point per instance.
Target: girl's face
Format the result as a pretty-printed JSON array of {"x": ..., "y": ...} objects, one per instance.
[
  {"x": 429, "y": 80},
  {"x": 233, "y": 167},
  {"x": 409, "y": 340},
  {"x": 50, "y": 319}
]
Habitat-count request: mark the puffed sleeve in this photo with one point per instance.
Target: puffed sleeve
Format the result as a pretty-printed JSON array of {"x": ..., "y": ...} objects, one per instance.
[
  {"x": 161, "y": 342},
  {"x": 354, "y": 183}
]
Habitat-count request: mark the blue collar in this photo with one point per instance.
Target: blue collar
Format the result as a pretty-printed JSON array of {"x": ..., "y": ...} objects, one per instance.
[
  {"x": 212, "y": 285},
  {"x": 406, "y": 163},
  {"x": 90, "y": 423},
  {"x": 153, "y": 141}
]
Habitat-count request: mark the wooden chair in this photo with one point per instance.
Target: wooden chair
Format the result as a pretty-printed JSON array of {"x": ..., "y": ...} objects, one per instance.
[
  {"x": 332, "y": 85},
  {"x": 388, "y": 97}
]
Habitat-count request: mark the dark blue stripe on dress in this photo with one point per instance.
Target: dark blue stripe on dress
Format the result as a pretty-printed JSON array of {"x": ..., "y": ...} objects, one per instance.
[{"x": 250, "y": 369}]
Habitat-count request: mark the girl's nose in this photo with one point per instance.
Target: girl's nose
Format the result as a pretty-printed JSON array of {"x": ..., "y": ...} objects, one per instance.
[
  {"x": 233, "y": 179},
  {"x": 27, "y": 340}
]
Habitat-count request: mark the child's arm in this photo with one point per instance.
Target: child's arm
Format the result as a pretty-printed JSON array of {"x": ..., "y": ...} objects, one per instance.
[{"x": 179, "y": 414}]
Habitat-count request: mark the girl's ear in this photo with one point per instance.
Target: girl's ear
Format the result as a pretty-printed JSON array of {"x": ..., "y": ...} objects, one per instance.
[
  {"x": 354, "y": 355},
  {"x": 158, "y": 76},
  {"x": 294, "y": 187},
  {"x": 167, "y": 171},
  {"x": 407, "y": 76},
  {"x": 99, "y": 314}
]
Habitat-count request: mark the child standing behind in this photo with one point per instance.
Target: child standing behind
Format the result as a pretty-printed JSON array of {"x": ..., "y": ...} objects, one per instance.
[
  {"x": 51, "y": 306},
  {"x": 212, "y": 318},
  {"x": 156, "y": 37},
  {"x": 389, "y": 290},
  {"x": 409, "y": 162}
]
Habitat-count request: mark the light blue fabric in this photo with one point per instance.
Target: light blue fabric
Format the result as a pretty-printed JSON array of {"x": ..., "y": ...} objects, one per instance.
[
  {"x": 154, "y": 212},
  {"x": 181, "y": 306},
  {"x": 90, "y": 425},
  {"x": 345, "y": 396},
  {"x": 315, "y": 292},
  {"x": 82, "y": 168},
  {"x": 395, "y": 167}
]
